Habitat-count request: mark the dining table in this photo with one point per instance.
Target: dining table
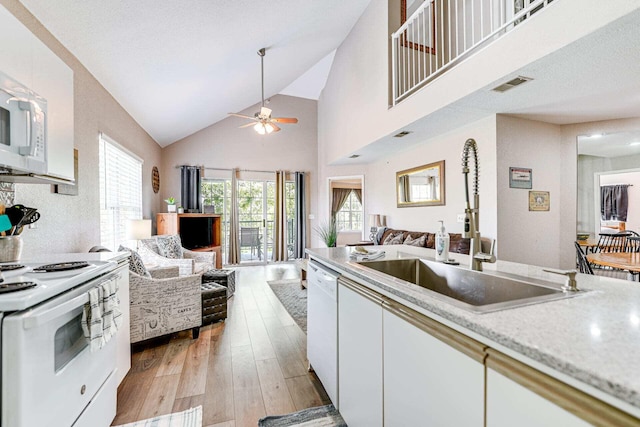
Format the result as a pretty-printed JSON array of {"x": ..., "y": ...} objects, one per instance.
[
  {"x": 629, "y": 261},
  {"x": 588, "y": 244}
]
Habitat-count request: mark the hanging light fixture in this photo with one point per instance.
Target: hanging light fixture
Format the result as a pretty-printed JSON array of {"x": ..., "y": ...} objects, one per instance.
[
  {"x": 263, "y": 128},
  {"x": 265, "y": 124}
]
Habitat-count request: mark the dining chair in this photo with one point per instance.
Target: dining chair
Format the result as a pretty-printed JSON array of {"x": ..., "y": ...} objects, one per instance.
[
  {"x": 250, "y": 237},
  {"x": 612, "y": 242},
  {"x": 582, "y": 262},
  {"x": 633, "y": 242}
]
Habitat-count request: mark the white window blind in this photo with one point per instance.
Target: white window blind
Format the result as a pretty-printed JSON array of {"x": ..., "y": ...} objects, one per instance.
[{"x": 120, "y": 192}]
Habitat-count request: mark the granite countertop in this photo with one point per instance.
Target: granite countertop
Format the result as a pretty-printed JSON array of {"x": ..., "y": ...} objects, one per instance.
[{"x": 593, "y": 338}]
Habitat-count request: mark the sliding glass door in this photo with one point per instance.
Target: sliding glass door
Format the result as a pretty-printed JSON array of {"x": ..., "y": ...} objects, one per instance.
[{"x": 256, "y": 215}]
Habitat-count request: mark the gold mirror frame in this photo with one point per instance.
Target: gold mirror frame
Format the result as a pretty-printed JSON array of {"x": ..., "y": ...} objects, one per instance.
[{"x": 432, "y": 176}]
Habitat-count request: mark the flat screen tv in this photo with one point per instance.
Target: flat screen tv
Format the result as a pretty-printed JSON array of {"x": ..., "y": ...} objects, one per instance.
[{"x": 196, "y": 232}]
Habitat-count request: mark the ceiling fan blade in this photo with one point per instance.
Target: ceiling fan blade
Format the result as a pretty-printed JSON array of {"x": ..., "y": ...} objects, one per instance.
[
  {"x": 247, "y": 125},
  {"x": 284, "y": 119},
  {"x": 242, "y": 115},
  {"x": 275, "y": 127}
]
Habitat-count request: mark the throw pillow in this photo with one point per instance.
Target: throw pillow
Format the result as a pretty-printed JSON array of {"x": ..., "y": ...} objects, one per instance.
[
  {"x": 418, "y": 241},
  {"x": 170, "y": 246},
  {"x": 135, "y": 262},
  {"x": 394, "y": 239}
]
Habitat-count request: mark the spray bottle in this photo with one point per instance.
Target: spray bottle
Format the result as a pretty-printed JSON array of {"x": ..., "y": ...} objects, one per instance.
[{"x": 442, "y": 243}]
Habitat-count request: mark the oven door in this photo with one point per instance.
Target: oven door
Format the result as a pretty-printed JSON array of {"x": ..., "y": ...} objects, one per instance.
[{"x": 49, "y": 374}]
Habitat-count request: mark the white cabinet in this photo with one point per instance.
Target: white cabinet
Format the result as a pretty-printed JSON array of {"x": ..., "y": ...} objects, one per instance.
[
  {"x": 520, "y": 395},
  {"x": 433, "y": 376},
  {"x": 29, "y": 61},
  {"x": 509, "y": 404},
  {"x": 123, "y": 351},
  {"x": 360, "y": 355}
]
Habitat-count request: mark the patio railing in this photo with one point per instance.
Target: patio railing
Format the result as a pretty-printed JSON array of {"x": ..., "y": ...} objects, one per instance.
[{"x": 440, "y": 33}]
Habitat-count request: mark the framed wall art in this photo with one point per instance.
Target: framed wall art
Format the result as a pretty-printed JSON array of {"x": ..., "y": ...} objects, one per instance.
[
  {"x": 520, "y": 178},
  {"x": 539, "y": 200}
]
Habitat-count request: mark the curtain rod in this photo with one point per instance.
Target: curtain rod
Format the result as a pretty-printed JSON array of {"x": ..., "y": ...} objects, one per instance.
[
  {"x": 231, "y": 170},
  {"x": 611, "y": 185},
  {"x": 226, "y": 169}
]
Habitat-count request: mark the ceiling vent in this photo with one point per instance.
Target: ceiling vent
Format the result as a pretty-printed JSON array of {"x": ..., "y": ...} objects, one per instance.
[
  {"x": 354, "y": 156},
  {"x": 511, "y": 84},
  {"x": 401, "y": 134}
]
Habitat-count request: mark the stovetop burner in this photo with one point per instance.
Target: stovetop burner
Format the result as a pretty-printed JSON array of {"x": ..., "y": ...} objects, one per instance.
[
  {"x": 62, "y": 266},
  {"x": 15, "y": 286},
  {"x": 10, "y": 267}
]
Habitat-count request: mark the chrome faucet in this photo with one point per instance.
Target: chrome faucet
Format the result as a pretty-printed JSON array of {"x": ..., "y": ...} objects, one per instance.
[{"x": 471, "y": 219}]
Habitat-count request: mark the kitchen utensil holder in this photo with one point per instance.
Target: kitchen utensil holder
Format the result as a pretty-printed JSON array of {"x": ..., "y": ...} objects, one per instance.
[{"x": 10, "y": 248}]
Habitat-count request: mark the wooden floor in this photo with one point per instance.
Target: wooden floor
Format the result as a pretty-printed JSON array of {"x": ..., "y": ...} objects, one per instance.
[{"x": 241, "y": 370}]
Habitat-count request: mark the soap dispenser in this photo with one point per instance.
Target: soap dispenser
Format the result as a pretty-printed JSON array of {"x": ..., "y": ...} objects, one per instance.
[{"x": 442, "y": 243}]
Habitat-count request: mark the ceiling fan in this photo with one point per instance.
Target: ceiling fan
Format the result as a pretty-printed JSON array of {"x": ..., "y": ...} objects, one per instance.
[{"x": 262, "y": 122}]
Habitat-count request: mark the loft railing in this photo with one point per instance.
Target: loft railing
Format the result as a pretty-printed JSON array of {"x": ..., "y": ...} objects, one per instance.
[{"x": 440, "y": 33}]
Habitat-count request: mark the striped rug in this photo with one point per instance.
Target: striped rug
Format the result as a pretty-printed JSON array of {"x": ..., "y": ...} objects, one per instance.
[
  {"x": 321, "y": 416},
  {"x": 189, "y": 418}
]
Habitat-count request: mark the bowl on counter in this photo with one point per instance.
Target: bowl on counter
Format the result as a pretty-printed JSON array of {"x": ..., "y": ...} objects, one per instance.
[{"x": 583, "y": 236}]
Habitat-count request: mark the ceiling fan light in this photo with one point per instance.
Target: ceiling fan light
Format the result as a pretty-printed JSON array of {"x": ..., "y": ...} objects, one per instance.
[
  {"x": 260, "y": 128},
  {"x": 269, "y": 127}
]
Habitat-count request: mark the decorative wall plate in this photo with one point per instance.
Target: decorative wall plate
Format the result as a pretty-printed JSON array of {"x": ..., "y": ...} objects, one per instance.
[{"x": 155, "y": 179}]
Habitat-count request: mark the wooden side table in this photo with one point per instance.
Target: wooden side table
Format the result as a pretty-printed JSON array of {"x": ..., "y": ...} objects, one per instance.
[{"x": 302, "y": 267}]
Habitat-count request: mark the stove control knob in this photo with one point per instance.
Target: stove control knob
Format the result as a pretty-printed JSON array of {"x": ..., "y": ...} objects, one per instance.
[{"x": 83, "y": 389}]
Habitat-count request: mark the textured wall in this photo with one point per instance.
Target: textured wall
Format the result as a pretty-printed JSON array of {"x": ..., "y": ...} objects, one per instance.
[
  {"x": 7, "y": 193},
  {"x": 223, "y": 145}
]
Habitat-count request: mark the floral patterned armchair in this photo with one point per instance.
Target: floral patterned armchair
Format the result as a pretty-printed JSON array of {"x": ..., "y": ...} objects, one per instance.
[{"x": 165, "y": 251}]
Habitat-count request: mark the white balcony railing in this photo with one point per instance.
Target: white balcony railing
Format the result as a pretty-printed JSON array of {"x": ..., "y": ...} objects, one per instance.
[{"x": 440, "y": 33}]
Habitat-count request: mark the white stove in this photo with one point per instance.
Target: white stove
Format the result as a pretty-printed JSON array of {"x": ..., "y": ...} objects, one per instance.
[
  {"x": 46, "y": 283},
  {"x": 46, "y": 360}
]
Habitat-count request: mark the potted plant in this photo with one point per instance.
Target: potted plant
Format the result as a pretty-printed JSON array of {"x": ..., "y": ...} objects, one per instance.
[
  {"x": 328, "y": 232},
  {"x": 171, "y": 204},
  {"x": 180, "y": 209}
]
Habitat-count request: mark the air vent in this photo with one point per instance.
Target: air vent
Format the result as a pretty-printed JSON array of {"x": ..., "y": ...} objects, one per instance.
[
  {"x": 401, "y": 134},
  {"x": 354, "y": 156},
  {"x": 511, "y": 84}
]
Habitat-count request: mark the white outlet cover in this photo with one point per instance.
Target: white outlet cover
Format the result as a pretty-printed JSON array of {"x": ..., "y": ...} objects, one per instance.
[
  {"x": 461, "y": 217},
  {"x": 312, "y": 216}
]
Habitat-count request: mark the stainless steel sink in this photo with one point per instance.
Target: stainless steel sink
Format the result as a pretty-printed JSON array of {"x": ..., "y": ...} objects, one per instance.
[{"x": 476, "y": 291}]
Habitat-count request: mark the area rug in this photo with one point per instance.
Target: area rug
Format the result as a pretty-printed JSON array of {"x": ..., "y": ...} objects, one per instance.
[
  {"x": 293, "y": 298},
  {"x": 189, "y": 418},
  {"x": 322, "y": 416}
]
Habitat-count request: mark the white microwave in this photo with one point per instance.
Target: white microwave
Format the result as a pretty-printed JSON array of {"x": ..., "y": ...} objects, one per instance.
[{"x": 23, "y": 128}]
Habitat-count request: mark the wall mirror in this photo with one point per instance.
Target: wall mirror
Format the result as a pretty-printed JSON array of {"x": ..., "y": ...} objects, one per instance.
[
  {"x": 421, "y": 186},
  {"x": 605, "y": 162}
]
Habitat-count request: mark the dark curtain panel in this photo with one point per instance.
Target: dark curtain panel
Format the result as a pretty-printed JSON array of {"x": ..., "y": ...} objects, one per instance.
[
  {"x": 190, "y": 188},
  {"x": 300, "y": 225},
  {"x": 339, "y": 196},
  {"x": 614, "y": 201}
]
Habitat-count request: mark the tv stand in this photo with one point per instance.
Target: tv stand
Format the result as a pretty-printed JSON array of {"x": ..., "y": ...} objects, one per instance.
[{"x": 169, "y": 223}]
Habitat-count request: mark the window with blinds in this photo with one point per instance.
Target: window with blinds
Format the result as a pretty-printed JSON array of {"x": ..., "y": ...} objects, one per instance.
[{"x": 120, "y": 191}]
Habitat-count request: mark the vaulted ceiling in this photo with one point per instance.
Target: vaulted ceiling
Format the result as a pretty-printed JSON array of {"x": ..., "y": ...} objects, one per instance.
[{"x": 179, "y": 66}]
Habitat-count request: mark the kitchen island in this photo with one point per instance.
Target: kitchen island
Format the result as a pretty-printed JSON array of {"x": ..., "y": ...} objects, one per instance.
[{"x": 588, "y": 344}]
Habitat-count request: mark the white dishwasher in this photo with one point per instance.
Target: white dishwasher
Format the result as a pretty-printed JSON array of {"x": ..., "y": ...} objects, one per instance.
[{"x": 322, "y": 326}]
